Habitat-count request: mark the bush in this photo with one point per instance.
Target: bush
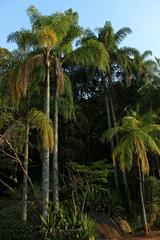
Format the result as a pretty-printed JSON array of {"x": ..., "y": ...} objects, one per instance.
[
  {"x": 17, "y": 230},
  {"x": 68, "y": 224},
  {"x": 12, "y": 228}
]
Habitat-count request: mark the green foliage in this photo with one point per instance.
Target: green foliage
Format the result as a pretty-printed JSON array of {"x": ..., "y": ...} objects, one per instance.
[
  {"x": 7, "y": 163},
  {"x": 152, "y": 189},
  {"x": 41, "y": 122},
  {"x": 137, "y": 225},
  {"x": 17, "y": 230},
  {"x": 78, "y": 72},
  {"x": 17, "y": 132},
  {"x": 138, "y": 134},
  {"x": 17, "y": 194},
  {"x": 11, "y": 227},
  {"x": 68, "y": 224},
  {"x": 91, "y": 53},
  {"x": 96, "y": 172},
  {"x": 152, "y": 198},
  {"x": 113, "y": 203},
  {"x": 90, "y": 189},
  {"x": 5, "y": 119},
  {"x": 22, "y": 38},
  {"x": 65, "y": 102}
]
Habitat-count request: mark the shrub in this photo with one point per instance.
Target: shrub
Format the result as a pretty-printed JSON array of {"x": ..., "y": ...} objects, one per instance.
[
  {"x": 17, "y": 230},
  {"x": 68, "y": 224}
]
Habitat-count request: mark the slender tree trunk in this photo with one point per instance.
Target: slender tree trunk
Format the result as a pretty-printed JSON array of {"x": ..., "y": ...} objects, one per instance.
[
  {"x": 24, "y": 198},
  {"x": 88, "y": 146},
  {"x": 158, "y": 169},
  {"x": 142, "y": 201},
  {"x": 143, "y": 184},
  {"x": 124, "y": 172},
  {"x": 55, "y": 157},
  {"x": 45, "y": 160},
  {"x": 127, "y": 193},
  {"x": 109, "y": 126}
]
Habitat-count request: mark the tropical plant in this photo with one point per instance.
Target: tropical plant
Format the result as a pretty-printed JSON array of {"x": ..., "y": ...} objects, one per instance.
[
  {"x": 138, "y": 135},
  {"x": 152, "y": 200},
  {"x": 68, "y": 224},
  {"x": 37, "y": 44}
]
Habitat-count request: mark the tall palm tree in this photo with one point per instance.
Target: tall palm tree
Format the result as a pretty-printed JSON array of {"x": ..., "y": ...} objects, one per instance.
[
  {"x": 144, "y": 66},
  {"x": 146, "y": 73},
  {"x": 138, "y": 135},
  {"x": 117, "y": 56},
  {"x": 63, "y": 57},
  {"x": 52, "y": 37},
  {"x": 21, "y": 84},
  {"x": 34, "y": 119},
  {"x": 38, "y": 44},
  {"x": 92, "y": 54},
  {"x": 38, "y": 120}
]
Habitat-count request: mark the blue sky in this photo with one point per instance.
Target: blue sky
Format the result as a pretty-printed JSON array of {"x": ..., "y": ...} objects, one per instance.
[{"x": 142, "y": 16}]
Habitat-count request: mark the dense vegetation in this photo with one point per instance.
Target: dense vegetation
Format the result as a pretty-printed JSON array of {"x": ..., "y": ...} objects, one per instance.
[{"x": 79, "y": 130}]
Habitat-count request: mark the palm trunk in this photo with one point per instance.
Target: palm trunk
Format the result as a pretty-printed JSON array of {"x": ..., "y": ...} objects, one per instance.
[
  {"x": 157, "y": 165},
  {"x": 24, "y": 198},
  {"x": 88, "y": 146},
  {"x": 123, "y": 173},
  {"x": 127, "y": 193},
  {"x": 142, "y": 201},
  {"x": 45, "y": 160},
  {"x": 55, "y": 157},
  {"x": 109, "y": 126}
]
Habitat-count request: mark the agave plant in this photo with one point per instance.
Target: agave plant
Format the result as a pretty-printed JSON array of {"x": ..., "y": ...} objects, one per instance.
[{"x": 66, "y": 224}]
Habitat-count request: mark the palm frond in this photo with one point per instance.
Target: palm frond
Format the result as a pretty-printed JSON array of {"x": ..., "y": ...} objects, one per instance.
[
  {"x": 131, "y": 52},
  {"x": 65, "y": 102},
  {"x": 60, "y": 77},
  {"x": 91, "y": 53},
  {"x": 121, "y": 34},
  {"x": 33, "y": 14},
  {"x": 150, "y": 143},
  {"x": 23, "y": 38},
  {"x": 14, "y": 86},
  {"x": 47, "y": 37},
  {"x": 19, "y": 75},
  {"x": 106, "y": 35},
  {"x": 138, "y": 135},
  {"x": 43, "y": 124},
  {"x": 147, "y": 54},
  {"x": 110, "y": 133},
  {"x": 123, "y": 153}
]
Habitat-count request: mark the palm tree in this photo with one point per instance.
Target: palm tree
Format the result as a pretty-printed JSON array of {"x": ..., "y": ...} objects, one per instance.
[
  {"x": 64, "y": 56},
  {"x": 38, "y": 120},
  {"x": 21, "y": 84},
  {"x": 117, "y": 56},
  {"x": 38, "y": 44},
  {"x": 144, "y": 67},
  {"x": 146, "y": 74},
  {"x": 89, "y": 53},
  {"x": 55, "y": 45},
  {"x": 138, "y": 135}
]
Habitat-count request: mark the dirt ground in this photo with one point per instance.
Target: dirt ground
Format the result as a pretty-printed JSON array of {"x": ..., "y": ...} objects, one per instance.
[{"x": 109, "y": 230}]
